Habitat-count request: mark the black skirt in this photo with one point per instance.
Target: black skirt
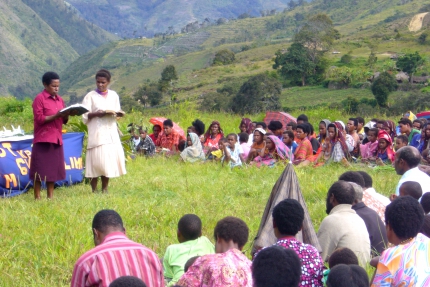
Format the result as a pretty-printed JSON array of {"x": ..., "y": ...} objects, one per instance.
[{"x": 47, "y": 162}]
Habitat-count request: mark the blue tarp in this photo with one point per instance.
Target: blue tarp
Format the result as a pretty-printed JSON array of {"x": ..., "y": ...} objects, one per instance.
[{"x": 15, "y": 155}]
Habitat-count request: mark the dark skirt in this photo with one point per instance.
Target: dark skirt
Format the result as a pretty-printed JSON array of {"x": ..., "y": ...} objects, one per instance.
[{"x": 47, "y": 162}]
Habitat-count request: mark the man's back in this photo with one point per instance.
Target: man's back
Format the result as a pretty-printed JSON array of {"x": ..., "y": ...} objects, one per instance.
[
  {"x": 117, "y": 256},
  {"x": 344, "y": 228},
  {"x": 375, "y": 227}
]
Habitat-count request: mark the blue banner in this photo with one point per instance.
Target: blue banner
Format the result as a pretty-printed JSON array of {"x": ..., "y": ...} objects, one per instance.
[{"x": 15, "y": 156}]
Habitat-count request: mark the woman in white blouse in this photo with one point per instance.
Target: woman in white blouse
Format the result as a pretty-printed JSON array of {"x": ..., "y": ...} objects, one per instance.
[{"x": 105, "y": 156}]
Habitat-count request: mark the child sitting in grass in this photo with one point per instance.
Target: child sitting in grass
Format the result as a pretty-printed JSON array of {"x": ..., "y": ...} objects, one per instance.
[
  {"x": 218, "y": 154},
  {"x": 191, "y": 243},
  {"x": 368, "y": 150},
  {"x": 288, "y": 140},
  {"x": 233, "y": 153},
  {"x": 243, "y": 140},
  {"x": 340, "y": 256},
  {"x": 401, "y": 141},
  {"x": 385, "y": 153}
]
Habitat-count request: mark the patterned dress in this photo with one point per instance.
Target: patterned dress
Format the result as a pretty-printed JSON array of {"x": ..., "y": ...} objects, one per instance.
[
  {"x": 312, "y": 264},
  {"x": 228, "y": 269},
  {"x": 405, "y": 264}
]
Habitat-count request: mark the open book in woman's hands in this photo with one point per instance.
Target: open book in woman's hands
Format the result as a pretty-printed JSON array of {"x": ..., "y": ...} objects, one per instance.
[
  {"x": 116, "y": 113},
  {"x": 76, "y": 109}
]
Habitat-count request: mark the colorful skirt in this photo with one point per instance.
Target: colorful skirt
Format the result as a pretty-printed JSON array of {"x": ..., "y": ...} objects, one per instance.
[{"x": 47, "y": 162}]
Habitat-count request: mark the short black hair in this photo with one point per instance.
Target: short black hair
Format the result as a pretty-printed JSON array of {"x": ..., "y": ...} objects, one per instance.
[
  {"x": 181, "y": 145},
  {"x": 406, "y": 122},
  {"x": 353, "y": 176},
  {"x": 347, "y": 275},
  {"x": 425, "y": 202},
  {"x": 243, "y": 137},
  {"x": 107, "y": 218},
  {"x": 232, "y": 135},
  {"x": 303, "y": 118},
  {"x": 342, "y": 255},
  {"x": 190, "y": 226},
  {"x": 368, "y": 181},
  {"x": 405, "y": 216},
  {"x": 342, "y": 191},
  {"x": 410, "y": 155},
  {"x": 354, "y": 120},
  {"x": 305, "y": 128},
  {"x": 156, "y": 126},
  {"x": 199, "y": 126},
  {"x": 103, "y": 73},
  {"x": 418, "y": 121},
  {"x": 425, "y": 228},
  {"x": 48, "y": 77},
  {"x": 224, "y": 140},
  {"x": 403, "y": 138},
  {"x": 127, "y": 281},
  {"x": 168, "y": 123},
  {"x": 276, "y": 266},
  {"x": 311, "y": 128},
  {"x": 289, "y": 133},
  {"x": 275, "y": 125},
  {"x": 232, "y": 228},
  {"x": 360, "y": 120},
  {"x": 293, "y": 125},
  {"x": 288, "y": 216},
  {"x": 263, "y": 124},
  {"x": 190, "y": 262},
  {"x": 413, "y": 189},
  {"x": 374, "y": 130}
]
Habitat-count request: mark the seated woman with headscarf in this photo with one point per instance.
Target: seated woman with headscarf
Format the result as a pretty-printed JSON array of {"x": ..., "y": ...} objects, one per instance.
[
  {"x": 246, "y": 126},
  {"x": 304, "y": 154},
  {"x": 212, "y": 136},
  {"x": 275, "y": 151},
  {"x": 390, "y": 127},
  {"x": 335, "y": 148},
  {"x": 193, "y": 151},
  {"x": 259, "y": 145}
]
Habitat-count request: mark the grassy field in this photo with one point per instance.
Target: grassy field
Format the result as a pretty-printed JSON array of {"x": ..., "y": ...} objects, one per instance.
[{"x": 41, "y": 241}]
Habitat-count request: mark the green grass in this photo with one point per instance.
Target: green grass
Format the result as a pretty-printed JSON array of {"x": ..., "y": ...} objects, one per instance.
[{"x": 41, "y": 241}]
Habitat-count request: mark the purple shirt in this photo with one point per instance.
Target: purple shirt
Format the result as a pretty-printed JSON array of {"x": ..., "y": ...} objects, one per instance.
[
  {"x": 312, "y": 264},
  {"x": 46, "y": 105}
]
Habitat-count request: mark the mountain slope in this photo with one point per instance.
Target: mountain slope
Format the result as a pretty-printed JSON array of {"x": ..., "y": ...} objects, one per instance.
[
  {"x": 130, "y": 18},
  {"x": 33, "y": 41}
]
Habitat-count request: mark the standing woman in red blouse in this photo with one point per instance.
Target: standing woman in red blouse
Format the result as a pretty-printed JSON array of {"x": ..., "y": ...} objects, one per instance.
[{"x": 47, "y": 157}]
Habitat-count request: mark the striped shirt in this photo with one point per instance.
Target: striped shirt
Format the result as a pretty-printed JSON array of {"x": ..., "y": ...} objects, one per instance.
[{"x": 117, "y": 256}]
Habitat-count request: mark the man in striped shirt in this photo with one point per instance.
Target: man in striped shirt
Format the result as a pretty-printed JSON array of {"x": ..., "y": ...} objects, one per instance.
[{"x": 115, "y": 255}]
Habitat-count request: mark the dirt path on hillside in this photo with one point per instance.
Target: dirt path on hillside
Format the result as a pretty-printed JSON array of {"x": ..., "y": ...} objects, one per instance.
[{"x": 417, "y": 22}]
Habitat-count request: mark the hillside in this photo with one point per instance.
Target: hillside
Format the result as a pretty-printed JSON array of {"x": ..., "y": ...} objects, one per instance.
[
  {"x": 36, "y": 38},
  {"x": 254, "y": 41},
  {"x": 131, "y": 18}
]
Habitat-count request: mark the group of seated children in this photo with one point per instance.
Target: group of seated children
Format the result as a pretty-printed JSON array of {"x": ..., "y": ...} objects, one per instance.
[{"x": 258, "y": 144}]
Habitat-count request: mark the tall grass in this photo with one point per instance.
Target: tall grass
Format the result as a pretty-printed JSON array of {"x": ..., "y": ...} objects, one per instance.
[{"x": 41, "y": 241}]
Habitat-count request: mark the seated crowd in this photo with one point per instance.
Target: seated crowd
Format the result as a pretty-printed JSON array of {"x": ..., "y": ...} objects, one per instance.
[
  {"x": 393, "y": 238},
  {"x": 258, "y": 143}
]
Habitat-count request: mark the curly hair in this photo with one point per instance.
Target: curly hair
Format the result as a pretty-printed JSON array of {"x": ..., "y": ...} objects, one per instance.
[
  {"x": 199, "y": 126},
  {"x": 353, "y": 176},
  {"x": 232, "y": 228},
  {"x": 288, "y": 216},
  {"x": 48, "y": 77},
  {"x": 190, "y": 226},
  {"x": 425, "y": 202},
  {"x": 342, "y": 256},
  {"x": 103, "y": 73},
  {"x": 305, "y": 128},
  {"x": 342, "y": 191},
  {"x": 347, "y": 275},
  {"x": 276, "y": 266},
  {"x": 368, "y": 181},
  {"x": 127, "y": 281},
  {"x": 405, "y": 216}
]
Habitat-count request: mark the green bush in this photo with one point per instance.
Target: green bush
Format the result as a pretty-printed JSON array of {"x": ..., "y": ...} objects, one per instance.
[{"x": 223, "y": 57}]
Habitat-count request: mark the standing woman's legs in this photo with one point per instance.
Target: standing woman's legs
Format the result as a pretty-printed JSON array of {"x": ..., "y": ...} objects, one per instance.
[
  {"x": 105, "y": 183},
  {"x": 50, "y": 188},
  {"x": 37, "y": 187},
  {"x": 94, "y": 183}
]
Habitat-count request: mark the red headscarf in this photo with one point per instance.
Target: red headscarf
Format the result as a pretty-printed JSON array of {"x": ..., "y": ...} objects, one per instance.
[
  {"x": 384, "y": 135},
  {"x": 248, "y": 124}
]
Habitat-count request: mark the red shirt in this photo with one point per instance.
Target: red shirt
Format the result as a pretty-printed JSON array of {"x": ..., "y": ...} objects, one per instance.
[
  {"x": 117, "y": 256},
  {"x": 46, "y": 105},
  {"x": 152, "y": 136},
  {"x": 168, "y": 141}
]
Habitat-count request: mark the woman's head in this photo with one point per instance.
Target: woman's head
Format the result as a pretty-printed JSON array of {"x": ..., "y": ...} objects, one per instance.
[
  {"x": 103, "y": 79},
  {"x": 246, "y": 126},
  {"x": 332, "y": 131},
  {"x": 230, "y": 230},
  {"x": 214, "y": 128},
  {"x": 270, "y": 145},
  {"x": 323, "y": 128},
  {"x": 382, "y": 144},
  {"x": 199, "y": 127},
  {"x": 51, "y": 83},
  {"x": 302, "y": 131},
  {"x": 168, "y": 126},
  {"x": 259, "y": 135},
  {"x": 404, "y": 217}
]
